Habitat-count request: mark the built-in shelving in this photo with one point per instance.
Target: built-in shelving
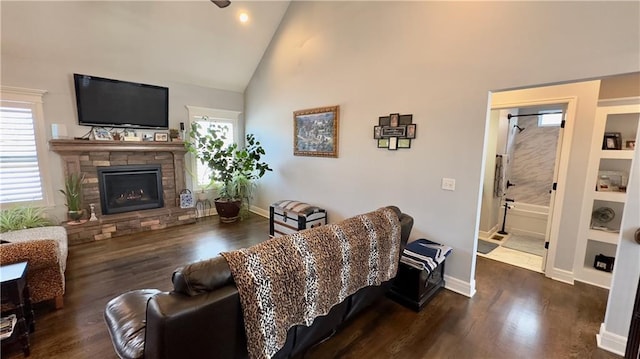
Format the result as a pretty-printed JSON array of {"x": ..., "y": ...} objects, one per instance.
[{"x": 621, "y": 120}]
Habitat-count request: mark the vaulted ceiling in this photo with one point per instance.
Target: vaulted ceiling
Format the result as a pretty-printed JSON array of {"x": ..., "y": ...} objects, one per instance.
[{"x": 193, "y": 42}]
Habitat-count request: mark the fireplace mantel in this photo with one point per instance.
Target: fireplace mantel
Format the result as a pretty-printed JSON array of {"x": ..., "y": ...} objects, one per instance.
[
  {"x": 86, "y": 156},
  {"x": 74, "y": 146}
]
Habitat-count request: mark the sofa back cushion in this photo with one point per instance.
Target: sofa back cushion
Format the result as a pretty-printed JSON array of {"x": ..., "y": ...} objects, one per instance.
[{"x": 202, "y": 276}]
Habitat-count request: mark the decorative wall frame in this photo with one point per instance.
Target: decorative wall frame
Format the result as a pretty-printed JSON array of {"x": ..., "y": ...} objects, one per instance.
[
  {"x": 315, "y": 132},
  {"x": 395, "y": 131}
]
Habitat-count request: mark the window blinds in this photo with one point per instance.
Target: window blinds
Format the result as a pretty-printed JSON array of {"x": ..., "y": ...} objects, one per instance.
[{"x": 19, "y": 172}]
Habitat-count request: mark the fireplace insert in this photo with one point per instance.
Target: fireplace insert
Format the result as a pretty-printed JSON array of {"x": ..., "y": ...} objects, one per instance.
[{"x": 130, "y": 188}]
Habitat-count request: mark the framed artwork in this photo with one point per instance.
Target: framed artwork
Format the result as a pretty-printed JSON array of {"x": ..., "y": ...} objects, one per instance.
[
  {"x": 383, "y": 143},
  {"x": 161, "y": 137},
  {"x": 394, "y": 119},
  {"x": 411, "y": 130},
  {"x": 405, "y": 120},
  {"x": 377, "y": 132},
  {"x": 315, "y": 132},
  {"x": 394, "y": 131},
  {"x": 101, "y": 134},
  {"x": 404, "y": 143},
  {"x": 612, "y": 141},
  {"x": 393, "y": 143}
]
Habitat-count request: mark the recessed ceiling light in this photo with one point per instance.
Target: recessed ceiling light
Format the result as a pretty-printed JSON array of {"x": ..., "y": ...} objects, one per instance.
[{"x": 244, "y": 17}]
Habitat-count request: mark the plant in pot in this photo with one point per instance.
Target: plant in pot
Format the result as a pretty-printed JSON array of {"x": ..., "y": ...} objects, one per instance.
[
  {"x": 233, "y": 169},
  {"x": 22, "y": 217},
  {"x": 73, "y": 194}
]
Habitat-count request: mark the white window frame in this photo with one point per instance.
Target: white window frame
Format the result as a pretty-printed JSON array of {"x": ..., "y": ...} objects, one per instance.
[
  {"x": 33, "y": 98},
  {"x": 215, "y": 115},
  {"x": 544, "y": 119}
]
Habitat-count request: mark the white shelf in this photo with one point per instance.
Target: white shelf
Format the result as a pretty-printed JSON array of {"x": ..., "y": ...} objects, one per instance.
[
  {"x": 617, "y": 154},
  {"x": 621, "y": 119},
  {"x": 610, "y": 196},
  {"x": 602, "y": 236},
  {"x": 595, "y": 277}
]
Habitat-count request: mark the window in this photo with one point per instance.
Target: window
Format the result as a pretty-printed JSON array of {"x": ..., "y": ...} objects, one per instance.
[
  {"x": 550, "y": 119},
  {"x": 22, "y": 147},
  {"x": 206, "y": 118}
]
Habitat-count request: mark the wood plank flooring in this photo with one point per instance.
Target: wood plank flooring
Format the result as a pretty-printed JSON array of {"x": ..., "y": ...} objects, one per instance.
[{"x": 515, "y": 313}]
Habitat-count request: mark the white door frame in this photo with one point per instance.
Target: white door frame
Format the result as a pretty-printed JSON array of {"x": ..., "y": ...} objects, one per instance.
[{"x": 560, "y": 171}]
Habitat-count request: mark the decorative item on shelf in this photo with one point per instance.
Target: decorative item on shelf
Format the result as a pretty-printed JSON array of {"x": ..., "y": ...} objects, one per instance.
[
  {"x": 630, "y": 144},
  {"x": 174, "y": 134},
  {"x": 600, "y": 217},
  {"x": 72, "y": 191},
  {"x": 186, "y": 198},
  {"x": 233, "y": 169},
  {"x": 315, "y": 132},
  {"x": 160, "y": 137},
  {"x": 130, "y": 135},
  {"x": 612, "y": 141},
  {"x": 612, "y": 181},
  {"x": 116, "y": 136},
  {"x": 101, "y": 134},
  {"x": 603, "y": 263},
  {"x": 394, "y": 131},
  {"x": 93, "y": 212}
]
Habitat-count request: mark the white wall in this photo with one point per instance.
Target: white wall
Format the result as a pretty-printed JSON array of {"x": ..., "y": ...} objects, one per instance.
[
  {"x": 30, "y": 29},
  {"x": 438, "y": 61}
]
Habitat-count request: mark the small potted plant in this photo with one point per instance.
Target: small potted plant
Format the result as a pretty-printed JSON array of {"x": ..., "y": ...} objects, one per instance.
[
  {"x": 22, "y": 217},
  {"x": 73, "y": 194},
  {"x": 233, "y": 169}
]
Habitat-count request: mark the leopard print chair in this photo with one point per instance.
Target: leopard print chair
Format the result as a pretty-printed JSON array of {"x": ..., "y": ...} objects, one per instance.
[{"x": 45, "y": 249}]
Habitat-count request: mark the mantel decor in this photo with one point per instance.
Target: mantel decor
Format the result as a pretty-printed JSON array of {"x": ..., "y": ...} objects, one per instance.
[
  {"x": 394, "y": 131},
  {"x": 315, "y": 132}
]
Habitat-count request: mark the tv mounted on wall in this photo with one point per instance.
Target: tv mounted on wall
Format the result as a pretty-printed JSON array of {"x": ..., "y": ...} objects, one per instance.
[{"x": 114, "y": 103}]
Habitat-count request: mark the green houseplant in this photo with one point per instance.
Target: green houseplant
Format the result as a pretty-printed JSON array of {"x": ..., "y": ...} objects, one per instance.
[
  {"x": 22, "y": 217},
  {"x": 233, "y": 169},
  {"x": 73, "y": 194}
]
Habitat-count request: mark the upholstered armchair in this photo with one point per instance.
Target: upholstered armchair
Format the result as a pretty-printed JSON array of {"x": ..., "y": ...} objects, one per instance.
[{"x": 45, "y": 249}]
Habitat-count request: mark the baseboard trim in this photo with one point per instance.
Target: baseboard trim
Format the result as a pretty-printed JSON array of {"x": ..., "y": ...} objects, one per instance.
[
  {"x": 468, "y": 289},
  {"x": 560, "y": 275},
  {"x": 611, "y": 342},
  {"x": 259, "y": 211}
]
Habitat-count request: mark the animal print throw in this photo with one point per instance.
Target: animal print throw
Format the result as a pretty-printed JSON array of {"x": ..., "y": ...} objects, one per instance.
[{"x": 293, "y": 279}]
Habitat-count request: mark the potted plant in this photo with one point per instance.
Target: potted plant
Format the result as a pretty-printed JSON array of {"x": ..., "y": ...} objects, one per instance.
[
  {"x": 233, "y": 169},
  {"x": 22, "y": 217},
  {"x": 73, "y": 194}
]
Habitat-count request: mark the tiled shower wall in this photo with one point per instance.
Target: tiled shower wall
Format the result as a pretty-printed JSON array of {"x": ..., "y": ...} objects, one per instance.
[{"x": 532, "y": 162}]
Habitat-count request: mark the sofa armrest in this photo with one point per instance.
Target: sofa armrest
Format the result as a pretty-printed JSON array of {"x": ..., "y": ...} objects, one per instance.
[
  {"x": 40, "y": 253},
  {"x": 181, "y": 326}
]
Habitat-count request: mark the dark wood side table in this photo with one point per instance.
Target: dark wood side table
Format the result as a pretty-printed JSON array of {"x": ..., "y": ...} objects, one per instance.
[{"x": 15, "y": 291}]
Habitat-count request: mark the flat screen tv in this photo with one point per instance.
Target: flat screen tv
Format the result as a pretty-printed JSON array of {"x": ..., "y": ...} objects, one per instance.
[{"x": 113, "y": 103}]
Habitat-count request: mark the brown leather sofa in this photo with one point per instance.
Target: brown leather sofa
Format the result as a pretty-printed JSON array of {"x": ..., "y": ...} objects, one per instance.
[{"x": 202, "y": 316}]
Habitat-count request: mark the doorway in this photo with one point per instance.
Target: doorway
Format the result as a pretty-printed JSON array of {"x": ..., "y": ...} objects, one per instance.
[{"x": 522, "y": 157}]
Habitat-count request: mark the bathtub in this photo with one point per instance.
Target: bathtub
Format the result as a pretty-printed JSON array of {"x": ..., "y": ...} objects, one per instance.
[{"x": 529, "y": 219}]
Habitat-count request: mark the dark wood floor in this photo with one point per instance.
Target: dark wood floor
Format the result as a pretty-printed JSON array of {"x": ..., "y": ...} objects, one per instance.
[{"x": 515, "y": 313}]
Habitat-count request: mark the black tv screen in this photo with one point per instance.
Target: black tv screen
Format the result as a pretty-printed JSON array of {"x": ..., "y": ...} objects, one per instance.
[{"x": 113, "y": 103}]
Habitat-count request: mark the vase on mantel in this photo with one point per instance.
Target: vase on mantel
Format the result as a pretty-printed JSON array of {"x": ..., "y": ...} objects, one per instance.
[{"x": 75, "y": 216}]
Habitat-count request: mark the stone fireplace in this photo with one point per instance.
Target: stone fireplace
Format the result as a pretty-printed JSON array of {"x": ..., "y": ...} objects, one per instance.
[
  {"x": 130, "y": 188},
  {"x": 156, "y": 170}
]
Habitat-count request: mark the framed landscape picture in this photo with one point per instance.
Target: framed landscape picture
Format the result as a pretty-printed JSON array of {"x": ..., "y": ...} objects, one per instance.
[{"x": 315, "y": 132}]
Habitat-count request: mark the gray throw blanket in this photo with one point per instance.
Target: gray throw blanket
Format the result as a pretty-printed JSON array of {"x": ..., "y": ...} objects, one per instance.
[{"x": 291, "y": 280}]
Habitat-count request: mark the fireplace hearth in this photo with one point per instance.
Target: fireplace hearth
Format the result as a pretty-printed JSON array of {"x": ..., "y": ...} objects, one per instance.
[{"x": 130, "y": 188}]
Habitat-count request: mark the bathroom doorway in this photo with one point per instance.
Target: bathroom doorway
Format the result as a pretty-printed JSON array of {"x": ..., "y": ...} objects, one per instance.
[{"x": 522, "y": 164}]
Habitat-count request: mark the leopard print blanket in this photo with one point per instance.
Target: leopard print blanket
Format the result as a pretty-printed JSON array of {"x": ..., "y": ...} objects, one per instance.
[{"x": 291, "y": 280}]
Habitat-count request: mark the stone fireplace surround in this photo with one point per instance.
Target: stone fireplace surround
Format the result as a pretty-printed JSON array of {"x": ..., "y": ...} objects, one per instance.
[{"x": 85, "y": 156}]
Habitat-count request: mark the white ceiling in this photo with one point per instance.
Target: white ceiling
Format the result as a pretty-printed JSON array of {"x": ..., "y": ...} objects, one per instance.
[{"x": 192, "y": 42}]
